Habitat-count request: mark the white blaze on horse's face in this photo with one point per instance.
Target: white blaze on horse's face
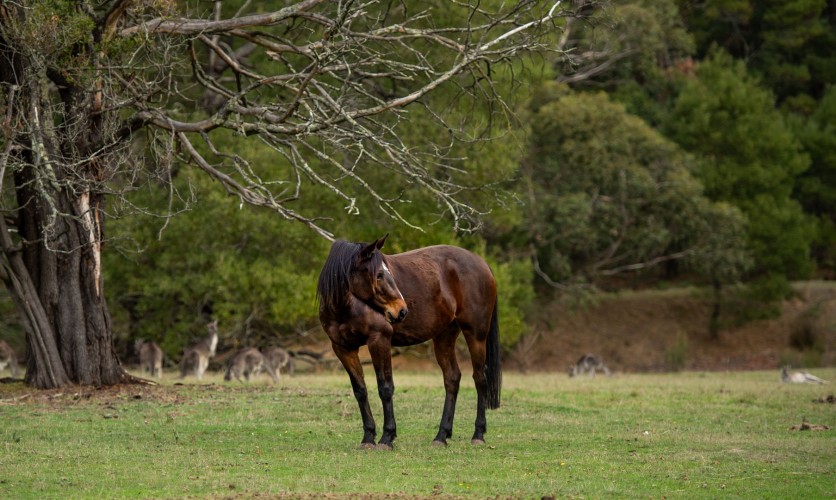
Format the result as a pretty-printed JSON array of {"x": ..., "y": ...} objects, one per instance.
[
  {"x": 388, "y": 296},
  {"x": 375, "y": 285},
  {"x": 372, "y": 282},
  {"x": 387, "y": 271}
]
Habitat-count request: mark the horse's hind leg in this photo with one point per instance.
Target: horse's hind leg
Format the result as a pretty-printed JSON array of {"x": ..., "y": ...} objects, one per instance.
[
  {"x": 445, "y": 353},
  {"x": 351, "y": 363},
  {"x": 478, "y": 357}
]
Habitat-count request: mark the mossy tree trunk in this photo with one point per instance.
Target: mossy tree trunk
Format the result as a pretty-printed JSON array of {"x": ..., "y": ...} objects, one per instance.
[{"x": 54, "y": 164}]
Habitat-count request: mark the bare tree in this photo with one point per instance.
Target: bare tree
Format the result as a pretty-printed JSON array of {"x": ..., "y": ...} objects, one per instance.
[{"x": 99, "y": 97}]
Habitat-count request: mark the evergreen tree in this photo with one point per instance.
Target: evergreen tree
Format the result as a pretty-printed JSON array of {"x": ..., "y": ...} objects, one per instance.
[
  {"x": 790, "y": 44},
  {"x": 608, "y": 195},
  {"x": 816, "y": 187},
  {"x": 747, "y": 156}
]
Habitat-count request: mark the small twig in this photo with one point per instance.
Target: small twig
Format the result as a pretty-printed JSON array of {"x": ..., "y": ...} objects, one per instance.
[{"x": 12, "y": 401}]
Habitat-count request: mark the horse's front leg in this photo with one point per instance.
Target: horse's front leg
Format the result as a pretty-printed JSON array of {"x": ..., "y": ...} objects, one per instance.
[
  {"x": 351, "y": 363},
  {"x": 380, "y": 348},
  {"x": 445, "y": 353}
]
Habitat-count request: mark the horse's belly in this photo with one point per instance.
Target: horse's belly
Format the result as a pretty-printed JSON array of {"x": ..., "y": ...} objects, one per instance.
[
  {"x": 413, "y": 333},
  {"x": 407, "y": 340}
]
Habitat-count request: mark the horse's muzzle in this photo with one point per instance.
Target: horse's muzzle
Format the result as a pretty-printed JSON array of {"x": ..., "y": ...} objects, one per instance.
[{"x": 396, "y": 319}]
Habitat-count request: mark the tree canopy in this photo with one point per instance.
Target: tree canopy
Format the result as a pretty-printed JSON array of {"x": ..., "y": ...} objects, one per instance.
[
  {"x": 607, "y": 195},
  {"x": 748, "y": 156},
  {"x": 198, "y": 157},
  {"x": 102, "y": 98}
]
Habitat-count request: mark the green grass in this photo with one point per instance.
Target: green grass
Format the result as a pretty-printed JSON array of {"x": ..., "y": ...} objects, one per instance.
[{"x": 685, "y": 435}]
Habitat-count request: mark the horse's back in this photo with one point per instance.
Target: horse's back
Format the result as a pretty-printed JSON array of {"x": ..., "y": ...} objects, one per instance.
[
  {"x": 448, "y": 257},
  {"x": 443, "y": 264},
  {"x": 442, "y": 284}
]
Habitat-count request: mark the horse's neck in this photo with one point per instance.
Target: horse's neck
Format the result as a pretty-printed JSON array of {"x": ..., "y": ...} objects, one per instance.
[{"x": 357, "y": 308}]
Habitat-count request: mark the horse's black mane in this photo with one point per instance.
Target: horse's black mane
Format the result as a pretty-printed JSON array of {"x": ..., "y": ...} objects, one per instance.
[{"x": 332, "y": 288}]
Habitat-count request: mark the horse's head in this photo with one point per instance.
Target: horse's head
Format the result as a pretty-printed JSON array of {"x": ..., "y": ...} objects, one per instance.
[{"x": 372, "y": 282}]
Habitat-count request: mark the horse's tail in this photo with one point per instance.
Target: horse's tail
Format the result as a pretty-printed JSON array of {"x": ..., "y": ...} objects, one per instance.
[{"x": 493, "y": 371}]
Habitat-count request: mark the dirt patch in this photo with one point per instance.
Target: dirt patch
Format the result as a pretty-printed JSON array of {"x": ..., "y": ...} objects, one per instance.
[
  {"x": 829, "y": 399},
  {"x": 805, "y": 426},
  {"x": 661, "y": 331},
  {"x": 106, "y": 396}
]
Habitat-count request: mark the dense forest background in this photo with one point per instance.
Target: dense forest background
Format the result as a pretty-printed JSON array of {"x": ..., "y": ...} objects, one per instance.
[{"x": 689, "y": 143}]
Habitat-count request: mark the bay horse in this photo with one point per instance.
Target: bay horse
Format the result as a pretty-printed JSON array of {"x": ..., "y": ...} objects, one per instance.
[{"x": 432, "y": 293}]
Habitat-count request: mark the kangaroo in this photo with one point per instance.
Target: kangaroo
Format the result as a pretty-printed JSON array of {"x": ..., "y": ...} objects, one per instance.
[
  {"x": 799, "y": 377},
  {"x": 8, "y": 358},
  {"x": 247, "y": 362},
  {"x": 196, "y": 358},
  {"x": 588, "y": 363},
  {"x": 276, "y": 358},
  {"x": 150, "y": 358}
]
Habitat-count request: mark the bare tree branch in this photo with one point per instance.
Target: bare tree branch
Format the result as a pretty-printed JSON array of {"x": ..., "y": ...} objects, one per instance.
[
  {"x": 340, "y": 88},
  {"x": 186, "y": 26}
]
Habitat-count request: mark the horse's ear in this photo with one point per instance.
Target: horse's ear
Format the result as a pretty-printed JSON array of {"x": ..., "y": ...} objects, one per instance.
[{"x": 367, "y": 251}]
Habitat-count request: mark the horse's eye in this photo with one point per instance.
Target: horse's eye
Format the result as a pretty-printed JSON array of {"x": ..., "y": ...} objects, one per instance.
[{"x": 380, "y": 277}]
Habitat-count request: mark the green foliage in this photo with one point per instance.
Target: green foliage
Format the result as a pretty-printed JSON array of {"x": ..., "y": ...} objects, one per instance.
[
  {"x": 515, "y": 296},
  {"x": 815, "y": 188},
  {"x": 602, "y": 189},
  {"x": 784, "y": 29},
  {"x": 718, "y": 22},
  {"x": 747, "y": 156},
  {"x": 56, "y": 28},
  {"x": 723, "y": 257},
  {"x": 726, "y": 116},
  {"x": 647, "y": 38},
  {"x": 788, "y": 43},
  {"x": 608, "y": 193},
  {"x": 251, "y": 269},
  {"x": 645, "y": 42},
  {"x": 643, "y": 38}
]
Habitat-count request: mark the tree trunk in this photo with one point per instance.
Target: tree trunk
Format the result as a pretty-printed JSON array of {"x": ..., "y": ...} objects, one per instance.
[
  {"x": 52, "y": 268},
  {"x": 40, "y": 341},
  {"x": 65, "y": 271},
  {"x": 56, "y": 281}
]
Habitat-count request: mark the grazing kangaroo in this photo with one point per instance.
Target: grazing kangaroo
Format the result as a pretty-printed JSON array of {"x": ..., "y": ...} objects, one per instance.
[
  {"x": 196, "y": 358},
  {"x": 588, "y": 363},
  {"x": 150, "y": 358},
  {"x": 8, "y": 358},
  {"x": 799, "y": 377},
  {"x": 276, "y": 358},
  {"x": 247, "y": 362}
]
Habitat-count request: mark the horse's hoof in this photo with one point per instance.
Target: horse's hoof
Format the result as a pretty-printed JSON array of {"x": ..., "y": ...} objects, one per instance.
[
  {"x": 438, "y": 442},
  {"x": 384, "y": 446},
  {"x": 366, "y": 446},
  {"x": 477, "y": 442}
]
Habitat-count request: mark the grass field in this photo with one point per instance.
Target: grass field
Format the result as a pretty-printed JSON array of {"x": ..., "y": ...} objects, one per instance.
[{"x": 686, "y": 435}]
